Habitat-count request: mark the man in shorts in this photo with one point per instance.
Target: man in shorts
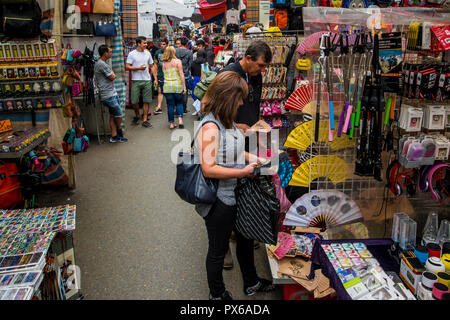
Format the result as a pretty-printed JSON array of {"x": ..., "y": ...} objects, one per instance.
[
  {"x": 160, "y": 74},
  {"x": 105, "y": 77},
  {"x": 140, "y": 62}
]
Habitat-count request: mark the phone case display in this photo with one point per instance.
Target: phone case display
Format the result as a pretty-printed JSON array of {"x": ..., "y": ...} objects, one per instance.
[
  {"x": 17, "y": 141},
  {"x": 28, "y": 51},
  {"x": 361, "y": 274},
  {"x": 29, "y": 77},
  {"x": 25, "y": 235},
  {"x": 24, "y": 293}
]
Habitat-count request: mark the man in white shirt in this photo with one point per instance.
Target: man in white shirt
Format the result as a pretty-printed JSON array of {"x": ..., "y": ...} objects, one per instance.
[{"x": 139, "y": 62}]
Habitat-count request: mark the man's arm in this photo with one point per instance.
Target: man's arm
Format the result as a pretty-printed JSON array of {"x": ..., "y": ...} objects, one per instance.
[{"x": 129, "y": 67}]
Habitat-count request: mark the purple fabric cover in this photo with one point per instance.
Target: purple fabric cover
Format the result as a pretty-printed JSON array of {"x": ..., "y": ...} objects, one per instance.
[{"x": 378, "y": 247}]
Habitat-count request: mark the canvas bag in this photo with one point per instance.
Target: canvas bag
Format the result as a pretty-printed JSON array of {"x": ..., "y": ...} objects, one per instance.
[
  {"x": 202, "y": 85},
  {"x": 104, "y": 6}
]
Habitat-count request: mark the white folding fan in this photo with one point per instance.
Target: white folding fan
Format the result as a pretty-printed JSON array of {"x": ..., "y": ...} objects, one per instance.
[{"x": 323, "y": 209}]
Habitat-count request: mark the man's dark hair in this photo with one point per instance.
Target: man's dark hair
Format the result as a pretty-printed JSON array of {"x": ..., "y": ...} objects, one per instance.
[
  {"x": 165, "y": 40},
  {"x": 140, "y": 39},
  {"x": 184, "y": 41},
  {"x": 259, "y": 49},
  {"x": 222, "y": 42},
  {"x": 200, "y": 42},
  {"x": 103, "y": 49},
  {"x": 178, "y": 39}
]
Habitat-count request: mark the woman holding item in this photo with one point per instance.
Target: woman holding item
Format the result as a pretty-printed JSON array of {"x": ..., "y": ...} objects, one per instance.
[
  {"x": 226, "y": 162},
  {"x": 174, "y": 86}
]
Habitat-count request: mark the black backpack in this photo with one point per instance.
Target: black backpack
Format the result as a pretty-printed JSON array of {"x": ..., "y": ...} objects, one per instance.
[
  {"x": 22, "y": 20},
  {"x": 295, "y": 20}
]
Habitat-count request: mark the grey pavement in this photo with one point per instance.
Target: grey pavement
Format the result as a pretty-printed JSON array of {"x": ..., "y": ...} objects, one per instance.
[{"x": 135, "y": 238}]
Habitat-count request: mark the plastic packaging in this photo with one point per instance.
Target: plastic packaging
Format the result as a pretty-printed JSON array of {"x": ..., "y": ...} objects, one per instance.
[
  {"x": 444, "y": 232},
  {"x": 431, "y": 229}
]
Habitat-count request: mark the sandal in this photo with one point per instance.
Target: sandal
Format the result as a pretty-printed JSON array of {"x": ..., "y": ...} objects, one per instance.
[
  {"x": 181, "y": 126},
  {"x": 172, "y": 126}
]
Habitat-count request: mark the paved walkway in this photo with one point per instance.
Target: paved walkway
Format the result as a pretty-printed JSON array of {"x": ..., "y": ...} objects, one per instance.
[{"x": 135, "y": 238}]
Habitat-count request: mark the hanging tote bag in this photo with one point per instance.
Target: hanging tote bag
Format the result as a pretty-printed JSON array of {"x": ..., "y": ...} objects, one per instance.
[
  {"x": 258, "y": 209},
  {"x": 84, "y": 5},
  {"x": 105, "y": 29},
  {"x": 10, "y": 188},
  {"x": 104, "y": 6}
]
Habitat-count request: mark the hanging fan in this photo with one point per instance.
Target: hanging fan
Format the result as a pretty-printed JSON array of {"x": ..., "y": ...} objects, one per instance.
[
  {"x": 300, "y": 138},
  {"x": 331, "y": 167},
  {"x": 285, "y": 170},
  {"x": 300, "y": 98},
  {"x": 323, "y": 209}
]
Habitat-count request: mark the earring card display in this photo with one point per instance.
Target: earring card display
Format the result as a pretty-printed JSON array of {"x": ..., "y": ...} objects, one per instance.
[{"x": 28, "y": 51}]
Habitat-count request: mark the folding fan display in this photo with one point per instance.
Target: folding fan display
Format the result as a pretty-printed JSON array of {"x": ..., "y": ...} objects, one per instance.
[
  {"x": 300, "y": 98},
  {"x": 300, "y": 138},
  {"x": 323, "y": 209},
  {"x": 331, "y": 167}
]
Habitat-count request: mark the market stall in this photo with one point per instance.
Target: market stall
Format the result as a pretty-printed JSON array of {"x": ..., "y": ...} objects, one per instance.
[{"x": 368, "y": 139}]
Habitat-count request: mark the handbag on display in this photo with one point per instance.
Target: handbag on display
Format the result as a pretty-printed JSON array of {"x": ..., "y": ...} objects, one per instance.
[
  {"x": 21, "y": 19},
  {"x": 258, "y": 209},
  {"x": 105, "y": 29},
  {"x": 87, "y": 27},
  {"x": 84, "y": 5},
  {"x": 190, "y": 184},
  {"x": 104, "y": 6},
  {"x": 10, "y": 188}
]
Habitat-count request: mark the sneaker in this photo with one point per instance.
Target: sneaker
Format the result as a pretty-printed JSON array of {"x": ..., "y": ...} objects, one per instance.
[
  {"x": 194, "y": 113},
  {"x": 146, "y": 124},
  {"x": 122, "y": 139},
  {"x": 114, "y": 139},
  {"x": 136, "y": 120},
  {"x": 262, "y": 285},
  {"x": 158, "y": 111},
  {"x": 224, "y": 296}
]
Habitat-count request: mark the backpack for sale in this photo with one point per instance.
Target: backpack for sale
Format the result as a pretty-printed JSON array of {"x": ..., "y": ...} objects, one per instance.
[
  {"x": 22, "y": 20},
  {"x": 202, "y": 85},
  {"x": 295, "y": 19},
  {"x": 281, "y": 3},
  {"x": 298, "y": 3},
  {"x": 280, "y": 18}
]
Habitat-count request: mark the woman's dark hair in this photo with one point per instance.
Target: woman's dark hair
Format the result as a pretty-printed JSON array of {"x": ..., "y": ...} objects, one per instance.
[
  {"x": 223, "y": 96},
  {"x": 259, "y": 49},
  {"x": 201, "y": 56},
  {"x": 140, "y": 39},
  {"x": 222, "y": 42},
  {"x": 200, "y": 42},
  {"x": 103, "y": 49},
  {"x": 184, "y": 41}
]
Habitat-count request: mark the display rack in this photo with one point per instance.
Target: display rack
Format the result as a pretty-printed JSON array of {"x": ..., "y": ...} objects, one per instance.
[{"x": 21, "y": 153}]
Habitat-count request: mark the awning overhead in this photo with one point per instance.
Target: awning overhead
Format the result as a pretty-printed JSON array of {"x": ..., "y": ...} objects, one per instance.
[
  {"x": 209, "y": 10},
  {"x": 175, "y": 8}
]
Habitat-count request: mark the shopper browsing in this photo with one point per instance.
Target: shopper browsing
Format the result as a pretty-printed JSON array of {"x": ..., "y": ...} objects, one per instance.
[
  {"x": 185, "y": 55},
  {"x": 104, "y": 77},
  {"x": 139, "y": 62},
  {"x": 174, "y": 86},
  {"x": 160, "y": 74},
  {"x": 255, "y": 61},
  {"x": 221, "y": 102}
]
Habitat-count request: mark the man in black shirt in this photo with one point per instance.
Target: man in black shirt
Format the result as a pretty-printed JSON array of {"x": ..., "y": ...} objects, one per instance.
[{"x": 256, "y": 59}]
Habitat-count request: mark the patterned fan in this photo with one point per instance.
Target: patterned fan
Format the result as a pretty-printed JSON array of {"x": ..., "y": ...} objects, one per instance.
[
  {"x": 300, "y": 138},
  {"x": 331, "y": 167},
  {"x": 300, "y": 98},
  {"x": 323, "y": 209}
]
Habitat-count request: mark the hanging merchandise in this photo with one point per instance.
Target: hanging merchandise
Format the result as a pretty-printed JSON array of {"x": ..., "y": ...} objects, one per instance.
[
  {"x": 105, "y": 28},
  {"x": 84, "y": 5},
  {"x": 323, "y": 209},
  {"x": 87, "y": 27},
  {"x": 10, "y": 187},
  {"x": 22, "y": 20},
  {"x": 280, "y": 18},
  {"x": 103, "y": 6}
]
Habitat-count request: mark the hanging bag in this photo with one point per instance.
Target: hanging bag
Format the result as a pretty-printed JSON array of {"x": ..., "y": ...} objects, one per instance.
[
  {"x": 86, "y": 26},
  {"x": 281, "y": 18},
  {"x": 104, "y": 6},
  {"x": 258, "y": 209},
  {"x": 105, "y": 29},
  {"x": 10, "y": 188},
  {"x": 84, "y": 5},
  {"x": 22, "y": 19}
]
